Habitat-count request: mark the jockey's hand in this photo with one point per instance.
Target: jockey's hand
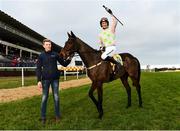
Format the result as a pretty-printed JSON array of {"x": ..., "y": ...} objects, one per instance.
[{"x": 102, "y": 48}]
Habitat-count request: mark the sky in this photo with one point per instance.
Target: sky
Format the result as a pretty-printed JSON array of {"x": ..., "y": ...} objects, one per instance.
[{"x": 151, "y": 30}]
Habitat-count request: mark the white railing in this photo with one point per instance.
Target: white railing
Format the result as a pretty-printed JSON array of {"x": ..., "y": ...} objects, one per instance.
[
  {"x": 71, "y": 72},
  {"x": 22, "y": 71}
]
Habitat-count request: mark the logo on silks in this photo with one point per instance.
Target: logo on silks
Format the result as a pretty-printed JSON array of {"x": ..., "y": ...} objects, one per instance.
[
  {"x": 53, "y": 56},
  {"x": 118, "y": 58}
]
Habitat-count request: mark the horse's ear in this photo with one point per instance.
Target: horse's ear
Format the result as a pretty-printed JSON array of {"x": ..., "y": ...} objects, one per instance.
[
  {"x": 73, "y": 35},
  {"x": 68, "y": 34}
]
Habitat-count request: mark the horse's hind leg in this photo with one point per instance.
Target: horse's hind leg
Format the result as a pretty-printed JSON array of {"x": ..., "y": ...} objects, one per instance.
[
  {"x": 124, "y": 80},
  {"x": 138, "y": 88}
]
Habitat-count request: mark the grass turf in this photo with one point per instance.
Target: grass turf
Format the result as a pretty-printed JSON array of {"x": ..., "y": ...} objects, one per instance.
[{"x": 161, "y": 110}]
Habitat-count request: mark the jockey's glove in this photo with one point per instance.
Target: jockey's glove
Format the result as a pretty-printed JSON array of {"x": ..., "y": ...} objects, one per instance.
[
  {"x": 102, "y": 48},
  {"x": 109, "y": 11}
]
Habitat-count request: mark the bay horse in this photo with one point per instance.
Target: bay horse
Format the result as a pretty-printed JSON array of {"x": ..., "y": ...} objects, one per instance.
[{"x": 100, "y": 71}]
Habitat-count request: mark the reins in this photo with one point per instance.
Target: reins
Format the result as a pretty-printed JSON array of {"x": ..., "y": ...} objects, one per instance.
[{"x": 91, "y": 67}]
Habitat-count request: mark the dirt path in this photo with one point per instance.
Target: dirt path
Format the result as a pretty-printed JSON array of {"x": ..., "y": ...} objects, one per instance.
[{"x": 7, "y": 95}]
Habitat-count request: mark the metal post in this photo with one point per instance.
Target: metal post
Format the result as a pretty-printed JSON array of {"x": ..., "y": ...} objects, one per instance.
[
  {"x": 77, "y": 74},
  {"x": 22, "y": 76},
  {"x": 86, "y": 72},
  {"x": 20, "y": 53},
  {"x": 6, "y": 50},
  {"x": 31, "y": 55},
  {"x": 64, "y": 74}
]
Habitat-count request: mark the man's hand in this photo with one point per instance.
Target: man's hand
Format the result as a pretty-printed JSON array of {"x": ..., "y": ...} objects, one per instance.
[
  {"x": 70, "y": 57},
  {"x": 39, "y": 85}
]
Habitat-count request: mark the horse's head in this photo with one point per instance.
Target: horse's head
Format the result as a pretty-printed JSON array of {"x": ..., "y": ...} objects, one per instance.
[{"x": 70, "y": 46}]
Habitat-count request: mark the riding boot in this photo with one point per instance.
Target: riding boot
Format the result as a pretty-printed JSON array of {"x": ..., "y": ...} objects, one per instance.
[{"x": 111, "y": 59}]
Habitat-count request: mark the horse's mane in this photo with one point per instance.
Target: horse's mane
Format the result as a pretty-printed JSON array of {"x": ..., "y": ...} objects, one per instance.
[{"x": 87, "y": 46}]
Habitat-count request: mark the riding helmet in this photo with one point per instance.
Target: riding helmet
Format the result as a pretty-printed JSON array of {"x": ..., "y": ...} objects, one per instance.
[{"x": 104, "y": 19}]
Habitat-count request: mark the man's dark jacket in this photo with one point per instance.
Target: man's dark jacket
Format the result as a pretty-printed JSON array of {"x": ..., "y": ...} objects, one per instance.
[{"x": 47, "y": 66}]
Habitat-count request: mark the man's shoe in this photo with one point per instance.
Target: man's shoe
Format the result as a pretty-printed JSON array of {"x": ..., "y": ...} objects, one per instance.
[
  {"x": 43, "y": 121},
  {"x": 57, "y": 119}
]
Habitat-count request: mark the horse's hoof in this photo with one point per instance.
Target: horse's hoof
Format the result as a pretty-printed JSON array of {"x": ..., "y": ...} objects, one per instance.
[
  {"x": 128, "y": 106},
  {"x": 100, "y": 117},
  {"x": 140, "y": 106}
]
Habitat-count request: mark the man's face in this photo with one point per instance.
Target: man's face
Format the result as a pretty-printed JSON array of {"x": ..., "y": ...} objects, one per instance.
[
  {"x": 47, "y": 46},
  {"x": 104, "y": 25}
]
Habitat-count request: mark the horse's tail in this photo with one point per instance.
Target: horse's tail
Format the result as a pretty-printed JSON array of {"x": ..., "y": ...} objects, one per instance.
[
  {"x": 139, "y": 70},
  {"x": 124, "y": 55}
]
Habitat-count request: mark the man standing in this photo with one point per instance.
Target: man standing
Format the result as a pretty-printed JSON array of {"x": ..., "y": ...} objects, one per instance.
[{"x": 48, "y": 74}]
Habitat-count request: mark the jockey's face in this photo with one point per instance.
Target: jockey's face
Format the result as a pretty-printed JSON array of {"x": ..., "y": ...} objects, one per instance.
[
  {"x": 47, "y": 46},
  {"x": 104, "y": 25}
]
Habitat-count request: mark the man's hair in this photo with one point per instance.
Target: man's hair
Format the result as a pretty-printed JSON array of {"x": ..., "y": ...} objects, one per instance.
[{"x": 46, "y": 40}]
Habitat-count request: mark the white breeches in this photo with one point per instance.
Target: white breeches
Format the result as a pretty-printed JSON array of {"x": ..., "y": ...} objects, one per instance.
[{"x": 109, "y": 51}]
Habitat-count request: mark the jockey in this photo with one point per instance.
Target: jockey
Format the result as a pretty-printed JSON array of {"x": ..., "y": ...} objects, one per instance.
[{"x": 107, "y": 39}]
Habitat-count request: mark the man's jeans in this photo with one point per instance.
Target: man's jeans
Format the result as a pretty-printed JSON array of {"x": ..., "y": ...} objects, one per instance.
[{"x": 55, "y": 91}]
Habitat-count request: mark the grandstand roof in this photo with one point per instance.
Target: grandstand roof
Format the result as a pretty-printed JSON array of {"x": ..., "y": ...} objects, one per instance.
[{"x": 14, "y": 38}]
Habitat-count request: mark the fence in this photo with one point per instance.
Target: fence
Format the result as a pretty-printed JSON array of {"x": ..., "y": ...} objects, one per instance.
[
  {"x": 22, "y": 69},
  {"x": 72, "y": 70}
]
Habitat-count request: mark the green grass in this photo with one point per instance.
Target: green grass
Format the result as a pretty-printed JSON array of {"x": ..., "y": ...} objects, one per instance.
[
  {"x": 161, "y": 107},
  {"x": 14, "y": 82}
]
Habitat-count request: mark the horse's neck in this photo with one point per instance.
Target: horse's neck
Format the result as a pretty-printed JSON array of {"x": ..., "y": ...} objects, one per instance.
[{"x": 88, "y": 55}]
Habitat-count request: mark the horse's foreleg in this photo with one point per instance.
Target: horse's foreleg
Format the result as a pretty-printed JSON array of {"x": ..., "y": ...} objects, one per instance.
[
  {"x": 93, "y": 87},
  {"x": 100, "y": 99},
  {"x": 124, "y": 80}
]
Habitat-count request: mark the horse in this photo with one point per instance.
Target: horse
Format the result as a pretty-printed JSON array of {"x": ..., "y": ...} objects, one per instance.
[{"x": 100, "y": 71}]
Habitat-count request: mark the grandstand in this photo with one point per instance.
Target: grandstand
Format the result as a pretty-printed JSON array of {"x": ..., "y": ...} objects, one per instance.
[{"x": 19, "y": 45}]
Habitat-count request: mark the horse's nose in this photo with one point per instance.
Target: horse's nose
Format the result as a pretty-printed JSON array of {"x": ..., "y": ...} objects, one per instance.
[{"x": 61, "y": 54}]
